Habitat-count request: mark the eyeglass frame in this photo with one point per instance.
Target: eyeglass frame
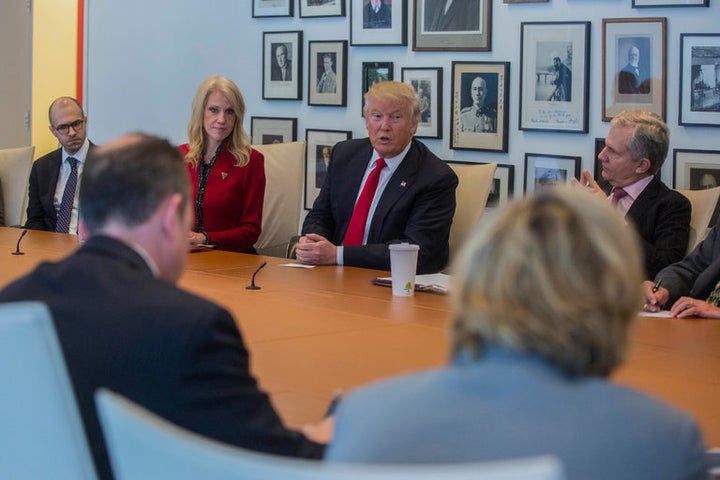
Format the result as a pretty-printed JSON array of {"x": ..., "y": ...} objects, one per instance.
[{"x": 65, "y": 127}]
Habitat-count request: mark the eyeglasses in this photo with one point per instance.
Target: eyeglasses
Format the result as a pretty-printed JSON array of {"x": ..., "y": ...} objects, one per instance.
[{"x": 65, "y": 128}]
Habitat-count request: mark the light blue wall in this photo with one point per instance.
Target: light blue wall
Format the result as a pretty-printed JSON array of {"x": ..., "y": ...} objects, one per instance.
[{"x": 145, "y": 59}]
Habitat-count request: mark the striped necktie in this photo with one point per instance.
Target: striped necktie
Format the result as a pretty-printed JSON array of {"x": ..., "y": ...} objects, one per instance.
[{"x": 68, "y": 199}]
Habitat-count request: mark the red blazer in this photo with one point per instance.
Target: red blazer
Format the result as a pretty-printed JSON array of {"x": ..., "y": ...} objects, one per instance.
[{"x": 233, "y": 201}]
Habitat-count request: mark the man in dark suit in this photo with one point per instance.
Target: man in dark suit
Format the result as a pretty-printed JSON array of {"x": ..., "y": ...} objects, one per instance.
[
  {"x": 690, "y": 287},
  {"x": 281, "y": 69},
  {"x": 635, "y": 149},
  {"x": 414, "y": 200},
  {"x": 377, "y": 14},
  {"x": 452, "y": 15},
  {"x": 124, "y": 325},
  {"x": 631, "y": 78},
  {"x": 50, "y": 173}
]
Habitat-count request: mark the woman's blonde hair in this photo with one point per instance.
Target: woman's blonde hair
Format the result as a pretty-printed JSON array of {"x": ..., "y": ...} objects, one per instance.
[
  {"x": 557, "y": 274},
  {"x": 238, "y": 142}
]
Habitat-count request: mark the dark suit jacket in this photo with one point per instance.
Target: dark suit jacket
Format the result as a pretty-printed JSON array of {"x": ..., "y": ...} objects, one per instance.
[
  {"x": 417, "y": 205},
  {"x": 662, "y": 218},
  {"x": 41, "y": 214},
  {"x": 629, "y": 82},
  {"x": 463, "y": 15},
  {"x": 697, "y": 274},
  {"x": 276, "y": 71},
  {"x": 381, "y": 19},
  {"x": 175, "y": 353}
]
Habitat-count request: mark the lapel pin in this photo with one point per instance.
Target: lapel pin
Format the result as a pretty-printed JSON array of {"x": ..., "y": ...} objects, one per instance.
[
  {"x": 403, "y": 184},
  {"x": 224, "y": 175}
]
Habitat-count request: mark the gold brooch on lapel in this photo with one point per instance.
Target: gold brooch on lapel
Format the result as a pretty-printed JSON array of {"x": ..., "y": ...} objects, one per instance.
[{"x": 224, "y": 175}]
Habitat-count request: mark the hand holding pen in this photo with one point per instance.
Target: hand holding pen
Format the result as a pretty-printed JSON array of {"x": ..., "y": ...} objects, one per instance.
[{"x": 655, "y": 296}]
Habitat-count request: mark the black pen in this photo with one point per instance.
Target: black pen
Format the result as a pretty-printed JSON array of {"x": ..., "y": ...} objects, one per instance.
[{"x": 337, "y": 396}]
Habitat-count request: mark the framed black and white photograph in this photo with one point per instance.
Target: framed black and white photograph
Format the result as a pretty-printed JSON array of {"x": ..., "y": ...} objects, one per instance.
[
  {"x": 322, "y": 8},
  {"x": 266, "y": 130},
  {"x": 699, "y": 79},
  {"x": 427, "y": 82},
  {"x": 327, "y": 73},
  {"x": 554, "y": 76},
  {"x": 378, "y": 22},
  {"x": 542, "y": 171},
  {"x": 525, "y": 1},
  {"x": 501, "y": 190},
  {"x": 670, "y": 3},
  {"x": 272, "y": 8},
  {"x": 319, "y": 144},
  {"x": 460, "y": 25},
  {"x": 597, "y": 174},
  {"x": 374, "y": 72},
  {"x": 633, "y": 65},
  {"x": 480, "y": 95},
  {"x": 282, "y": 65},
  {"x": 696, "y": 169}
]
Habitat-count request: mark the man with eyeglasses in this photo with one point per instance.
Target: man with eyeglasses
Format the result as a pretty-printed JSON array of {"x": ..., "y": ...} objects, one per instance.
[{"x": 55, "y": 178}]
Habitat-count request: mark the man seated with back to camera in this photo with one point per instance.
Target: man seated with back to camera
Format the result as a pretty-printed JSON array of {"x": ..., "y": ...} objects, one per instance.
[
  {"x": 414, "y": 200},
  {"x": 122, "y": 322},
  {"x": 635, "y": 149},
  {"x": 690, "y": 287}
]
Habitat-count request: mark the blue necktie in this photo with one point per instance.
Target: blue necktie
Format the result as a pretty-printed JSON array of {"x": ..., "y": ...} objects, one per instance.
[{"x": 68, "y": 198}]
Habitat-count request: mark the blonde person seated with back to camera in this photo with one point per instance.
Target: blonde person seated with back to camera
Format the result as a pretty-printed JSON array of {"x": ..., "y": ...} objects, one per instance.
[{"x": 544, "y": 300}]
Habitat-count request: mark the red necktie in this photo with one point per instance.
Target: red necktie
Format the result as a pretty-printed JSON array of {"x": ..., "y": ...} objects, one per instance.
[
  {"x": 356, "y": 229},
  {"x": 617, "y": 194}
]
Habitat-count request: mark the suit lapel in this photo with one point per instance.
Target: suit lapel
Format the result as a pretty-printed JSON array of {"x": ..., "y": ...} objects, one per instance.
[{"x": 644, "y": 201}]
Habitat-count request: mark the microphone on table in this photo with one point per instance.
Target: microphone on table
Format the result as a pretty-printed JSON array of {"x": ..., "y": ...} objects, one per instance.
[
  {"x": 17, "y": 248},
  {"x": 252, "y": 285}
]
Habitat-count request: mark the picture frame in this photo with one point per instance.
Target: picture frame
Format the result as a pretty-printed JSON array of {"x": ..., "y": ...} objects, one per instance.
[
  {"x": 525, "y": 1},
  {"x": 689, "y": 167},
  {"x": 699, "y": 95},
  {"x": 634, "y": 61},
  {"x": 319, "y": 8},
  {"x": 542, "y": 170},
  {"x": 373, "y": 72},
  {"x": 554, "y": 76},
  {"x": 272, "y": 8},
  {"x": 327, "y": 87},
  {"x": 387, "y": 26},
  {"x": 282, "y": 83},
  {"x": 428, "y": 83},
  {"x": 697, "y": 170},
  {"x": 316, "y": 157},
  {"x": 266, "y": 130},
  {"x": 669, "y": 3},
  {"x": 597, "y": 174},
  {"x": 480, "y": 98},
  {"x": 466, "y": 27},
  {"x": 501, "y": 191}
]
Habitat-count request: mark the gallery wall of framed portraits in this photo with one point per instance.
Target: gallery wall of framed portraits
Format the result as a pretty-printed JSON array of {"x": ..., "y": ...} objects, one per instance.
[{"x": 558, "y": 62}]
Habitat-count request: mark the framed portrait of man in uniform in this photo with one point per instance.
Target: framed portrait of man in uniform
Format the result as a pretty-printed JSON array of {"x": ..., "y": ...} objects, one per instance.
[{"x": 480, "y": 95}]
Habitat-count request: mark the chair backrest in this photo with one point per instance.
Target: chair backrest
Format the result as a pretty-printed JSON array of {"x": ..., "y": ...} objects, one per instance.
[
  {"x": 15, "y": 164},
  {"x": 143, "y": 445},
  {"x": 41, "y": 434},
  {"x": 284, "y": 164},
  {"x": 704, "y": 203},
  {"x": 474, "y": 183}
]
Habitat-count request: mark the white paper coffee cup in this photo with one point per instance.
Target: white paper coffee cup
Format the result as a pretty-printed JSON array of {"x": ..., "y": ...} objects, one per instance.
[{"x": 403, "y": 263}]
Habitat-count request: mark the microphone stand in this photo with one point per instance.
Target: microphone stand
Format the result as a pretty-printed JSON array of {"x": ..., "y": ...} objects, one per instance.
[
  {"x": 17, "y": 248},
  {"x": 252, "y": 285}
]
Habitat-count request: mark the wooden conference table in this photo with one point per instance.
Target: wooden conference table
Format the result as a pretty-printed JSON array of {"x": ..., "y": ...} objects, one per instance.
[{"x": 312, "y": 331}]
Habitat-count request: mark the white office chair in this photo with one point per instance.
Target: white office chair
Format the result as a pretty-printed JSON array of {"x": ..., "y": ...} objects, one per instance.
[
  {"x": 143, "y": 445},
  {"x": 703, "y": 204},
  {"x": 15, "y": 164},
  {"x": 474, "y": 183},
  {"x": 41, "y": 435},
  {"x": 284, "y": 166}
]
